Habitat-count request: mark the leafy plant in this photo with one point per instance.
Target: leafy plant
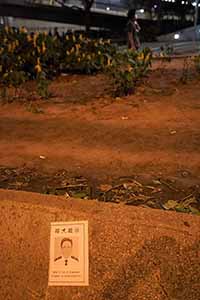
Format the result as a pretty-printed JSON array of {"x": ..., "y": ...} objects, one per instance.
[
  {"x": 3, "y": 92},
  {"x": 42, "y": 85},
  {"x": 21, "y": 51},
  {"x": 197, "y": 63},
  {"x": 34, "y": 108},
  {"x": 126, "y": 70},
  {"x": 185, "y": 71},
  {"x": 166, "y": 52},
  {"x": 41, "y": 56}
]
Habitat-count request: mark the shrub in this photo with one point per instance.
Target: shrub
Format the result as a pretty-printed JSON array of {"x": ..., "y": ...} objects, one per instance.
[
  {"x": 197, "y": 63},
  {"x": 41, "y": 56},
  {"x": 127, "y": 69},
  {"x": 36, "y": 52}
]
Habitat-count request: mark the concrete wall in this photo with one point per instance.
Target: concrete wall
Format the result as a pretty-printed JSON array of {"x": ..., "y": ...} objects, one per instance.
[{"x": 134, "y": 253}]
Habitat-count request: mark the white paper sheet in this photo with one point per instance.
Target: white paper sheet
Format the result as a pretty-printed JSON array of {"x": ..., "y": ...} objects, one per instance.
[{"x": 68, "y": 264}]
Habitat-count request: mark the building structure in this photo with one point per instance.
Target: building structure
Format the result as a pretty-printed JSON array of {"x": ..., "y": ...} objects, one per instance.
[{"x": 164, "y": 16}]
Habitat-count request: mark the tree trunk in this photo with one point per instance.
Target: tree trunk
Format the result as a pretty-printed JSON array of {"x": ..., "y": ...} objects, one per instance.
[{"x": 87, "y": 7}]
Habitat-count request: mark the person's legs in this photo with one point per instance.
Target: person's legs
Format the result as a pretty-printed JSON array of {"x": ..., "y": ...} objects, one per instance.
[{"x": 137, "y": 42}]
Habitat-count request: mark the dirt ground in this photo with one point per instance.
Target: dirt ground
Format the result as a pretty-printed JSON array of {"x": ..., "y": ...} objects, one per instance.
[{"x": 83, "y": 131}]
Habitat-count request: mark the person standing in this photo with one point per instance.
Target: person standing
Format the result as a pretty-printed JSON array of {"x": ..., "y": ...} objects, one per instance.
[{"x": 133, "y": 29}]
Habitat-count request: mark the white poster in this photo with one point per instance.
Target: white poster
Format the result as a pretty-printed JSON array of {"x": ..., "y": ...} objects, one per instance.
[{"x": 69, "y": 254}]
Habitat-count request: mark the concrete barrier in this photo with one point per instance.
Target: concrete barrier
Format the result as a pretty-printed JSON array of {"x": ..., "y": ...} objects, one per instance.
[{"x": 134, "y": 253}]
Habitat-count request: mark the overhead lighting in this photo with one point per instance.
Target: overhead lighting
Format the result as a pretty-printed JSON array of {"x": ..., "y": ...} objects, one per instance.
[
  {"x": 155, "y": 6},
  {"x": 194, "y": 4},
  {"x": 141, "y": 10},
  {"x": 177, "y": 36}
]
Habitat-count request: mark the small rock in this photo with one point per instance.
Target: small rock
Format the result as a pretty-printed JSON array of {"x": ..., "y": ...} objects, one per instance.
[
  {"x": 42, "y": 157},
  {"x": 173, "y": 132},
  {"x": 185, "y": 174}
]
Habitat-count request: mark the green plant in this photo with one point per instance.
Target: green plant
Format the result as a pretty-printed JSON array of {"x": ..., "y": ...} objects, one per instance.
[
  {"x": 34, "y": 108},
  {"x": 197, "y": 63},
  {"x": 166, "y": 52},
  {"x": 12, "y": 79},
  {"x": 42, "y": 85},
  {"x": 41, "y": 57},
  {"x": 185, "y": 71},
  {"x": 3, "y": 92},
  {"x": 127, "y": 69},
  {"x": 23, "y": 56}
]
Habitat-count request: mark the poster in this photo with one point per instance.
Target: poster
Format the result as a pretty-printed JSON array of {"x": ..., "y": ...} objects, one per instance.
[{"x": 68, "y": 264}]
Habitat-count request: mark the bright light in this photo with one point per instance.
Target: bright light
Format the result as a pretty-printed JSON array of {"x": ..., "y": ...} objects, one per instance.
[
  {"x": 107, "y": 8},
  {"x": 141, "y": 10},
  {"x": 176, "y": 36},
  {"x": 194, "y": 4},
  {"x": 155, "y": 6},
  {"x": 182, "y": 2}
]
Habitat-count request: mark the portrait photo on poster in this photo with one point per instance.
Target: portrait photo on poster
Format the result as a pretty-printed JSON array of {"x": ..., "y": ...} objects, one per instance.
[{"x": 66, "y": 252}]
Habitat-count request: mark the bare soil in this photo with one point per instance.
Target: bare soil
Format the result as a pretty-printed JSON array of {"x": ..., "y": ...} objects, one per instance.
[{"x": 83, "y": 132}]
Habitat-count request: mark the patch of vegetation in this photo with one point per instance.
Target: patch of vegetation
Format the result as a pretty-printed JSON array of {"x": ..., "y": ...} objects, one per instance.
[
  {"x": 41, "y": 57},
  {"x": 197, "y": 63},
  {"x": 34, "y": 108},
  {"x": 127, "y": 69},
  {"x": 185, "y": 76}
]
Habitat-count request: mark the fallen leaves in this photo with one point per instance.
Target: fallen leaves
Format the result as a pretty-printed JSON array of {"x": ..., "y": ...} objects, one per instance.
[
  {"x": 183, "y": 206},
  {"x": 159, "y": 193}
]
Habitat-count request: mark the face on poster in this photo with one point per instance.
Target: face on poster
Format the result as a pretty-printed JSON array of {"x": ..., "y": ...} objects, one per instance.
[{"x": 68, "y": 254}]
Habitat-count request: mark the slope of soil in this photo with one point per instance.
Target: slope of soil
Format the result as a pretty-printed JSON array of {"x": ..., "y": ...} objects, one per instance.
[{"x": 82, "y": 130}]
